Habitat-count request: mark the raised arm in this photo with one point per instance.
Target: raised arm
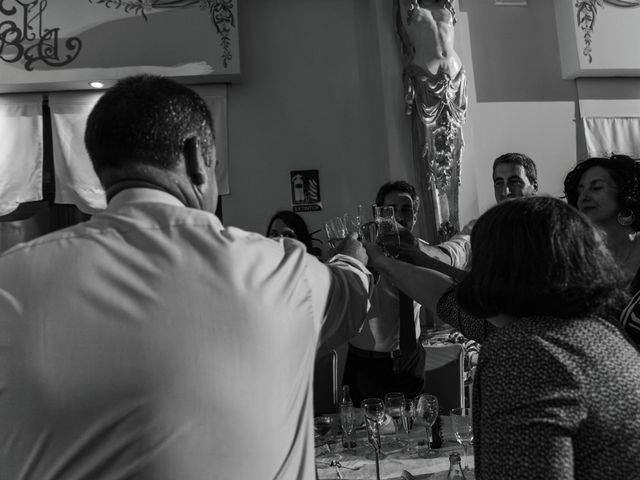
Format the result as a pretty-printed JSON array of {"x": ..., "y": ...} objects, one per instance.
[{"x": 424, "y": 285}]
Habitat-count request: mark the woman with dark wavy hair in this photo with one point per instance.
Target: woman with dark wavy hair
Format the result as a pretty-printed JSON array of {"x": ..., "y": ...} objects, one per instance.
[
  {"x": 607, "y": 190},
  {"x": 557, "y": 382},
  {"x": 286, "y": 223}
]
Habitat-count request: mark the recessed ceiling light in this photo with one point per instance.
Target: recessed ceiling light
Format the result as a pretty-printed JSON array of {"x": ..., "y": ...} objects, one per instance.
[{"x": 97, "y": 84}]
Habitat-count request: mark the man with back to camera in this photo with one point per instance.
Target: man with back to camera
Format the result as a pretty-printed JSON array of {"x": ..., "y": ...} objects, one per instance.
[{"x": 154, "y": 343}]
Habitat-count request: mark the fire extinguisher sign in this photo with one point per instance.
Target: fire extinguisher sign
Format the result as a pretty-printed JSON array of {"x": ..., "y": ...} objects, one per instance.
[{"x": 305, "y": 191}]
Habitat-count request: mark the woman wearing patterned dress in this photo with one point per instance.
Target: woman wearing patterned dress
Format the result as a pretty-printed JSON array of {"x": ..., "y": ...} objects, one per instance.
[{"x": 556, "y": 387}]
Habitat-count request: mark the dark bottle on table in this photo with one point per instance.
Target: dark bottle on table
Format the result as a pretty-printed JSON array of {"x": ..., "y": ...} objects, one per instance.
[
  {"x": 455, "y": 469},
  {"x": 436, "y": 432}
]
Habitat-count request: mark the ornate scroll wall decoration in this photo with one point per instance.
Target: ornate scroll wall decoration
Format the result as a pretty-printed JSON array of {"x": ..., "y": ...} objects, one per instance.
[
  {"x": 221, "y": 12},
  {"x": 24, "y": 37},
  {"x": 586, "y": 15}
]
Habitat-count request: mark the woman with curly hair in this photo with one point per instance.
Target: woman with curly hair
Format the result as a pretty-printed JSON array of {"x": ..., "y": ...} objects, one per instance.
[{"x": 607, "y": 190}]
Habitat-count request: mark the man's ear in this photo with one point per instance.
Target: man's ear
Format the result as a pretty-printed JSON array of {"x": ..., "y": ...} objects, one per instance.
[
  {"x": 194, "y": 162},
  {"x": 535, "y": 187},
  {"x": 416, "y": 205}
]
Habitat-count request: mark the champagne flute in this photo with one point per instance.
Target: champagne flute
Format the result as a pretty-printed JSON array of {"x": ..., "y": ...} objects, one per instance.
[
  {"x": 427, "y": 408},
  {"x": 347, "y": 422},
  {"x": 394, "y": 406},
  {"x": 462, "y": 426},
  {"x": 373, "y": 410},
  {"x": 388, "y": 234},
  {"x": 408, "y": 418}
]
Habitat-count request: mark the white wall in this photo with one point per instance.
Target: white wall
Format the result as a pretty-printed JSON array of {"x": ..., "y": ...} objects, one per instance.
[
  {"x": 322, "y": 89},
  {"x": 310, "y": 99}
]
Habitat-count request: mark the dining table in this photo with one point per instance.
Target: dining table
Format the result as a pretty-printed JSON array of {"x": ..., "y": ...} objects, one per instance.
[{"x": 335, "y": 461}]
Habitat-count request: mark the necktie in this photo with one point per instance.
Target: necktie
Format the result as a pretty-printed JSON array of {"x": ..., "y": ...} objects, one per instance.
[{"x": 408, "y": 342}]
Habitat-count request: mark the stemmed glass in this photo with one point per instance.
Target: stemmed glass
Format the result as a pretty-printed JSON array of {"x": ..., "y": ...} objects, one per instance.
[
  {"x": 394, "y": 406},
  {"x": 427, "y": 408},
  {"x": 408, "y": 418},
  {"x": 462, "y": 426},
  {"x": 388, "y": 235},
  {"x": 323, "y": 428},
  {"x": 347, "y": 422},
  {"x": 373, "y": 410}
]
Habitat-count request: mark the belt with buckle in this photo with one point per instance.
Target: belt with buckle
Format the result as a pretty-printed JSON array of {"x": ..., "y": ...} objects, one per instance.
[{"x": 359, "y": 352}]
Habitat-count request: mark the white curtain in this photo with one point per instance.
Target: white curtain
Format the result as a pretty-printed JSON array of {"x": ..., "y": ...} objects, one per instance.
[
  {"x": 611, "y": 126},
  {"x": 76, "y": 180},
  {"x": 606, "y": 136},
  {"x": 20, "y": 151}
]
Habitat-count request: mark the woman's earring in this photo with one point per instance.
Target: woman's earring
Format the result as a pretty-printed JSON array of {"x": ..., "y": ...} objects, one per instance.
[{"x": 628, "y": 219}]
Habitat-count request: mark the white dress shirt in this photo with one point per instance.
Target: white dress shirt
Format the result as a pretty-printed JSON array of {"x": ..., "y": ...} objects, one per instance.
[{"x": 156, "y": 344}]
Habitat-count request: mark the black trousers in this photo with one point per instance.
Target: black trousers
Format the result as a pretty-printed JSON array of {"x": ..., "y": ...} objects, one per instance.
[{"x": 375, "y": 377}]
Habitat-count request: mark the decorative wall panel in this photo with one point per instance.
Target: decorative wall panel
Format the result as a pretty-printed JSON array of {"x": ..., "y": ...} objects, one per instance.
[
  {"x": 598, "y": 37},
  {"x": 64, "y": 45}
]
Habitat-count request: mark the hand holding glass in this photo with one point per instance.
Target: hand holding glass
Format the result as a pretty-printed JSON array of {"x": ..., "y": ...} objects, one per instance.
[{"x": 388, "y": 235}]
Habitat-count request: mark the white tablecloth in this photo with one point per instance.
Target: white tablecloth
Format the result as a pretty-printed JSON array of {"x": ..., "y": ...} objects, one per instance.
[{"x": 355, "y": 465}]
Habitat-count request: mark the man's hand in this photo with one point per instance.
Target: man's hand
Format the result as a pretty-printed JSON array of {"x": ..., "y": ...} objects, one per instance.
[
  {"x": 409, "y": 249},
  {"x": 352, "y": 247},
  {"x": 376, "y": 255}
]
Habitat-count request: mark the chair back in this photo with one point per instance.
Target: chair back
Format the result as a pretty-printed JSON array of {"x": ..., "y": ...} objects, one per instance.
[
  {"x": 444, "y": 375},
  {"x": 327, "y": 379}
]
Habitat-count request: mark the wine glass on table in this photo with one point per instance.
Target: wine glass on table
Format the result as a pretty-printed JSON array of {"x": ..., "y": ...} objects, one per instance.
[
  {"x": 427, "y": 409},
  {"x": 323, "y": 427},
  {"x": 387, "y": 229},
  {"x": 462, "y": 426},
  {"x": 373, "y": 410},
  {"x": 408, "y": 419},
  {"x": 394, "y": 407},
  {"x": 347, "y": 422}
]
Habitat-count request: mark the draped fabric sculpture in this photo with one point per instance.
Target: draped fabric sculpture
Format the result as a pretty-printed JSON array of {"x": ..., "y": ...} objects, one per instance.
[{"x": 436, "y": 99}]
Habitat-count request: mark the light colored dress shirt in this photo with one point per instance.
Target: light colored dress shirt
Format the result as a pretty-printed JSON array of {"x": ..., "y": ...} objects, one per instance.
[
  {"x": 458, "y": 247},
  {"x": 156, "y": 344},
  {"x": 381, "y": 330}
]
